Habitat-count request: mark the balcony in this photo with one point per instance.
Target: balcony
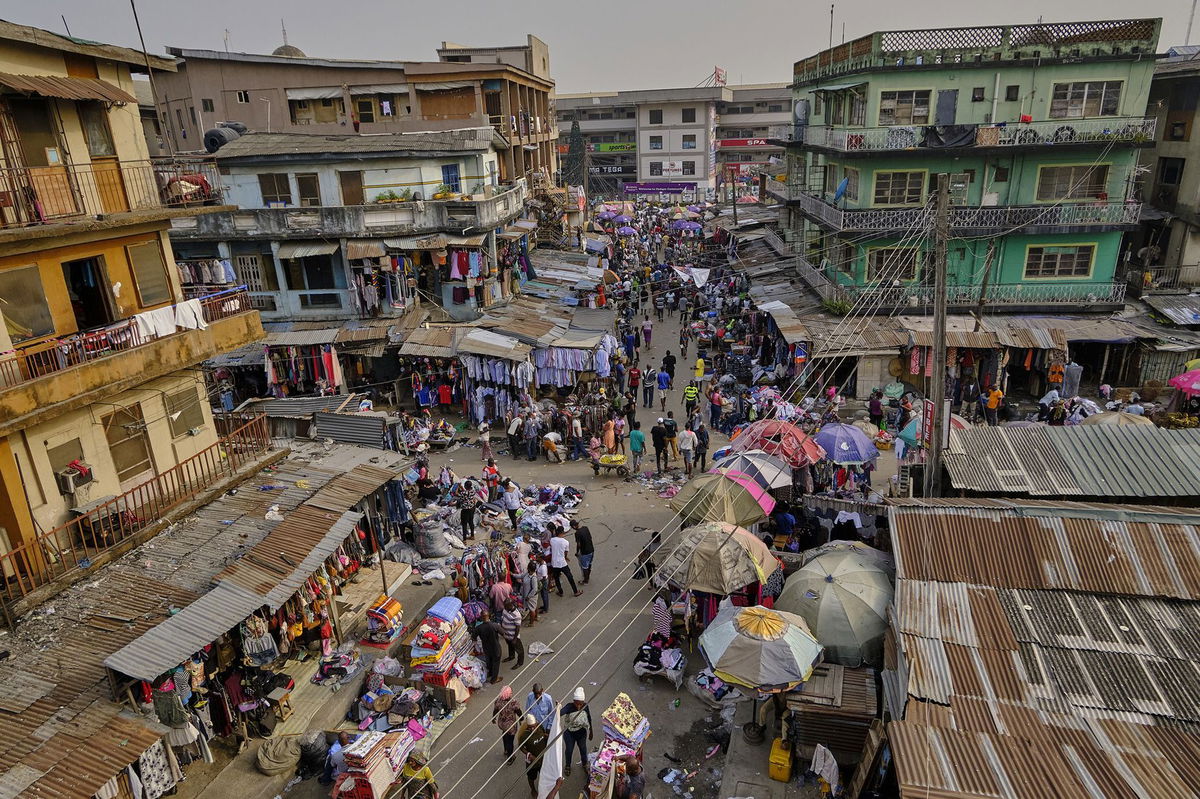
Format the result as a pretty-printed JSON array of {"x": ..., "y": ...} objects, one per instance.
[
  {"x": 55, "y": 376},
  {"x": 114, "y": 524},
  {"x": 407, "y": 218},
  {"x": 1032, "y": 294},
  {"x": 926, "y": 138},
  {"x": 1028, "y": 218},
  {"x": 64, "y": 193}
]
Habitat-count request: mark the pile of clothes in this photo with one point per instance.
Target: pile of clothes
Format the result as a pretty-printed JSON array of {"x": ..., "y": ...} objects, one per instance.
[
  {"x": 545, "y": 505},
  {"x": 440, "y": 641},
  {"x": 378, "y": 758},
  {"x": 339, "y": 667},
  {"x": 625, "y": 730},
  {"x": 712, "y": 690}
]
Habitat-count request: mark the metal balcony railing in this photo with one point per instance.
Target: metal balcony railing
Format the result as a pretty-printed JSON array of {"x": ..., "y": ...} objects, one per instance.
[
  {"x": 72, "y": 546},
  {"x": 1032, "y": 293},
  {"x": 58, "y": 354},
  {"x": 68, "y": 192},
  {"x": 1130, "y": 130}
]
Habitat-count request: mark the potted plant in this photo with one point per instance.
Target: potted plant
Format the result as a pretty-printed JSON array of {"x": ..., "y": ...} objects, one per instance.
[{"x": 444, "y": 192}]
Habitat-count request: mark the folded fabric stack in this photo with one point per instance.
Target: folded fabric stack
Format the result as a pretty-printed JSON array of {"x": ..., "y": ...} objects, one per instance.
[
  {"x": 460, "y": 639},
  {"x": 441, "y": 639},
  {"x": 379, "y": 757},
  {"x": 385, "y": 619},
  {"x": 446, "y": 608},
  {"x": 623, "y": 722},
  {"x": 672, "y": 658},
  {"x": 602, "y": 764},
  {"x": 360, "y": 753}
]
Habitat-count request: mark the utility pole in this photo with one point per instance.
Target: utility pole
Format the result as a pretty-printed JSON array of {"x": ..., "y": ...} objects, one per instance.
[
  {"x": 937, "y": 388},
  {"x": 987, "y": 275}
]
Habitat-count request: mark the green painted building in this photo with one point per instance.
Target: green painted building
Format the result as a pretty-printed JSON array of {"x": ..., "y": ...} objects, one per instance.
[{"x": 1037, "y": 126}]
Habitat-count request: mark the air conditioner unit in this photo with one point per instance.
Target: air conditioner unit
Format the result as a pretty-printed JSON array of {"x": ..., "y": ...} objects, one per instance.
[{"x": 69, "y": 480}]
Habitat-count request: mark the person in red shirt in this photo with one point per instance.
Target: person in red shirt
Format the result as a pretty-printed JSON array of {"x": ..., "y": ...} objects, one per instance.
[{"x": 635, "y": 379}]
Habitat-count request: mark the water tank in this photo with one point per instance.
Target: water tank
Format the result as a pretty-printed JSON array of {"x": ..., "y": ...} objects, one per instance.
[
  {"x": 217, "y": 138},
  {"x": 238, "y": 126}
]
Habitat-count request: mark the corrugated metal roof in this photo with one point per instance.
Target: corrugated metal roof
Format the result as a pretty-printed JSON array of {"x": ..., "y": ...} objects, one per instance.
[
  {"x": 1082, "y": 460},
  {"x": 300, "y": 407},
  {"x": 304, "y": 249},
  {"x": 257, "y": 144},
  {"x": 434, "y": 241},
  {"x": 367, "y": 429},
  {"x": 66, "y": 88},
  {"x": 365, "y": 248},
  {"x": 1182, "y": 309},
  {"x": 433, "y": 342},
  {"x": 302, "y": 338},
  {"x": 486, "y": 342}
]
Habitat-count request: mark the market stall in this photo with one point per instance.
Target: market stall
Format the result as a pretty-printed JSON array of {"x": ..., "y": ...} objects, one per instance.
[{"x": 625, "y": 733}]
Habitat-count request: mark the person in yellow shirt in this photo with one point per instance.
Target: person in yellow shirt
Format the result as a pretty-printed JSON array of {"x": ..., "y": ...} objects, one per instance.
[
  {"x": 417, "y": 778},
  {"x": 699, "y": 369},
  {"x": 995, "y": 397}
]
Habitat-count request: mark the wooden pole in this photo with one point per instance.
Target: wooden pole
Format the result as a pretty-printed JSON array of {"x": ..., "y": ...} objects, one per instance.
[{"x": 937, "y": 389}]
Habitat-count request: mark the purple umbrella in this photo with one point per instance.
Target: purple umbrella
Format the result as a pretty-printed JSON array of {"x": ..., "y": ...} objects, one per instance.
[
  {"x": 845, "y": 443},
  {"x": 622, "y": 219},
  {"x": 695, "y": 209},
  {"x": 682, "y": 224},
  {"x": 605, "y": 215},
  {"x": 626, "y": 231}
]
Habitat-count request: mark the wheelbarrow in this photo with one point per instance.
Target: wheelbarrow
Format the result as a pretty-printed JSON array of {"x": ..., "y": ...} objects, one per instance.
[{"x": 610, "y": 463}]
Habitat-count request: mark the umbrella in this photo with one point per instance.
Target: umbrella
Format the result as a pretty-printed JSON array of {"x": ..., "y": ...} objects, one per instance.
[
  {"x": 694, "y": 208},
  {"x": 1117, "y": 418},
  {"x": 843, "y": 595},
  {"x": 610, "y": 276},
  {"x": 759, "y": 648},
  {"x": 844, "y": 443},
  {"x": 626, "y": 231},
  {"x": 717, "y": 557},
  {"x": 623, "y": 219},
  {"x": 877, "y": 556},
  {"x": 605, "y": 215},
  {"x": 1194, "y": 363},
  {"x": 1188, "y": 382},
  {"x": 782, "y": 439},
  {"x": 766, "y": 470},
  {"x": 685, "y": 225},
  {"x": 733, "y": 498}
]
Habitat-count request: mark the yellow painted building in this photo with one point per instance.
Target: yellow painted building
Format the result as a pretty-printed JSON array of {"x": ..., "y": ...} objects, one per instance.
[{"x": 102, "y": 403}]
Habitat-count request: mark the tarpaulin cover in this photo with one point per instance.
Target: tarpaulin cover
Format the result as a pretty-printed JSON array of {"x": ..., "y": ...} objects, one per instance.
[{"x": 949, "y": 136}]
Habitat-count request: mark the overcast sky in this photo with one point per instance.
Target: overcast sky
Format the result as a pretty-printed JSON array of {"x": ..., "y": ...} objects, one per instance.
[{"x": 602, "y": 45}]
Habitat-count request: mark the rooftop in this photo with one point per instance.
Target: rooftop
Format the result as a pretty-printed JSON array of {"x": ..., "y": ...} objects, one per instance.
[
  {"x": 136, "y": 59},
  {"x": 285, "y": 145},
  {"x": 1045, "y": 649},
  {"x": 937, "y": 48}
]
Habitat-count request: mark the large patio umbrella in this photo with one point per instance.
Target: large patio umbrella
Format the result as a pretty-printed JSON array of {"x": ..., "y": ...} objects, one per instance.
[
  {"x": 1118, "y": 418},
  {"x": 733, "y": 498},
  {"x": 623, "y": 219},
  {"x": 876, "y": 556},
  {"x": 626, "y": 231},
  {"x": 766, "y": 470},
  {"x": 782, "y": 439},
  {"x": 846, "y": 444},
  {"x": 1188, "y": 382},
  {"x": 605, "y": 215},
  {"x": 843, "y": 595},
  {"x": 717, "y": 557},
  {"x": 610, "y": 276},
  {"x": 760, "y": 648}
]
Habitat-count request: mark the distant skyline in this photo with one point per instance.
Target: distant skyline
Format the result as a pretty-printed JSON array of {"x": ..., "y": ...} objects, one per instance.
[{"x": 611, "y": 46}]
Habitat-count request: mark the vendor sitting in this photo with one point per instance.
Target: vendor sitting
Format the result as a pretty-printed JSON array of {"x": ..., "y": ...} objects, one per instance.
[{"x": 417, "y": 778}]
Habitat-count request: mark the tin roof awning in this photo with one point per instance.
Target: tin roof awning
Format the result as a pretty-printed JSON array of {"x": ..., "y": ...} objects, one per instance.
[
  {"x": 837, "y": 87},
  {"x": 66, "y": 88},
  {"x": 433, "y": 242},
  {"x": 476, "y": 240},
  {"x": 364, "y": 248},
  {"x": 303, "y": 249}
]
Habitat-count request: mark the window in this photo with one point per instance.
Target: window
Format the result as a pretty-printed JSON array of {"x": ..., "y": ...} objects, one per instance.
[
  {"x": 689, "y": 167},
  {"x": 1084, "y": 182},
  {"x": 1170, "y": 171},
  {"x": 64, "y": 453},
  {"x": 450, "y": 177},
  {"x": 898, "y": 188},
  {"x": 977, "y": 94},
  {"x": 656, "y": 143},
  {"x": 1097, "y": 98},
  {"x": 243, "y": 97},
  {"x": 817, "y": 103},
  {"x": 1000, "y": 175},
  {"x": 775, "y": 109},
  {"x": 904, "y": 108},
  {"x": 125, "y": 430},
  {"x": 851, "y": 183},
  {"x": 1177, "y": 131},
  {"x": 688, "y": 115},
  {"x": 186, "y": 403},
  {"x": 275, "y": 189},
  {"x": 206, "y": 105},
  {"x": 309, "y": 189},
  {"x": 1071, "y": 261},
  {"x": 892, "y": 263},
  {"x": 94, "y": 120},
  {"x": 837, "y": 110},
  {"x": 655, "y": 116},
  {"x": 656, "y": 168},
  {"x": 26, "y": 312},
  {"x": 858, "y": 110},
  {"x": 1012, "y": 93},
  {"x": 149, "y": 273},
  {"x": 366, "y": 110},
  {"x": 689, "y": 141}
]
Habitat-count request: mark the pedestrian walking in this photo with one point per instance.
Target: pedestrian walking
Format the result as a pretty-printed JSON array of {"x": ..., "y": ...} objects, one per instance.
[
  {"x": 691, "y": 397},
  {"x": 487, "y": 632},
  {"x": 687, "y": 446},
  {"x": 970, "y": 400},
  {"x": 512, "y": 501},
  {"x": 875, "y": 408},
  {"x": 491, "y": 479},
  {"x": 506, "y": 714},
  {"x": 530, "y": 593},
  {"x": 577, "y": 729},
  {"x": 543, "y": 576},
  {"x": 560, "y": 553},
  {"x": 510, "y": 629},
  {"x": 637, "y": 446},
  {"x": 485, "y": 443},
  {"x": 468, "y": 501},
  {"x": 658, "y": 437},
  {"x": 701, "y": 447},
  {"x": 585, "y": 550},
  {"x": 647, "y": 331},
  {"x": 540, "y": 705},
  {"x": 672, "y": 428},
  {"x": 649, "y": 383},
  {"x": 664, "y": 387},
  {"x": 532, "y": 738},
  {"x": 514, "y": 435}
]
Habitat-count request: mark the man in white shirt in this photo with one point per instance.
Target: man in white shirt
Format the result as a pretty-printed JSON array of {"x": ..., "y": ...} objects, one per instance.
[
  {"x": 560, "y": 553},
  {"x": 514, "y": 435},
  {"x": 550, "y": 443},
  {"x": 686, "y": 440}
]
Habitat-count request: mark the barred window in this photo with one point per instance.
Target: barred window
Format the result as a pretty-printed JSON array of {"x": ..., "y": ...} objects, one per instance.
[
  {"x": 904, "y": 108},
  {"x": 1073, "y": 261},
  {"x": 851, "y": 183},
  {"x": 898, "y": 188},
  {"x": 1083, "y": 182},
  {"x": 1093, "y": 98},
  {"x": 892, "y": 263}
]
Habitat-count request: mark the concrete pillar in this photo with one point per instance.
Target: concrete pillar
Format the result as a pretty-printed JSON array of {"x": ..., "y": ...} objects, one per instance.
[
  {"x": 348, "y": 102},
  {"x": 414, "y": 101},
  {"x": 287, "y": 303}
]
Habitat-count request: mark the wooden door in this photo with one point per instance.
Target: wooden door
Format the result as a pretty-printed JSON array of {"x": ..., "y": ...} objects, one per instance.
[
  {"x": 110, "y": 188},
  {"x": 352, "y": 188}
]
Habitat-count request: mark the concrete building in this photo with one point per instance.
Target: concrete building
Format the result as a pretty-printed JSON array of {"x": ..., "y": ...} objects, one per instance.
[
  {"x": 1039, "y": 128},
  {"x": 351, "y": 227},
  {"x": 702, "y": 136},
  {"x": 103, "y": 420},
  {"x": 290, "y": 92},
  {"x": 1171, "y": 187}
]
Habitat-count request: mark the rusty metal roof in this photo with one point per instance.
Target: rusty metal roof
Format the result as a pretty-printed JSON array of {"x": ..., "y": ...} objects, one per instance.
[
  {"x": 1082, "y": 460},
  {"x": 1045, "y": 649},
  {"x": 66, "y": 88}
]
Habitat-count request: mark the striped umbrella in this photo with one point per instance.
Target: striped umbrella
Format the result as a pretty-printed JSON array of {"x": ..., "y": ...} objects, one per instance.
[
  {"x": 760, "y": 648},
  {"x": 765, "y": 469}
]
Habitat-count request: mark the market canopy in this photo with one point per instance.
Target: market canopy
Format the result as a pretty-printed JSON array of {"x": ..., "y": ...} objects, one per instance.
[
  {"x": 766, "y": 470},
  {"x": 767, "y": 650},
  {"x": 782, "y": 439},
  {"x": 716, "y": 557},
  {"x": 732, "y": 498},
  {"x": 305, "y": 249}
]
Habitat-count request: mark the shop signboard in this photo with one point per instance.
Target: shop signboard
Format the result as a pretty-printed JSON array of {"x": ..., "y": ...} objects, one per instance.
[
  {"x": 615, "y": 169},
  {"x": 658, "y": 188},
  {"x": 743, "y": 143}
]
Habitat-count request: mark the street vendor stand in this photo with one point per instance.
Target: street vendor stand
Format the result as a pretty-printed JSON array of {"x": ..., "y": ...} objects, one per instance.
[{"x": 625, "y": 733}]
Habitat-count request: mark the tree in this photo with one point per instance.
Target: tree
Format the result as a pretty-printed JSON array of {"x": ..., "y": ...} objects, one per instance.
[{"x": 574, "y": 165}]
